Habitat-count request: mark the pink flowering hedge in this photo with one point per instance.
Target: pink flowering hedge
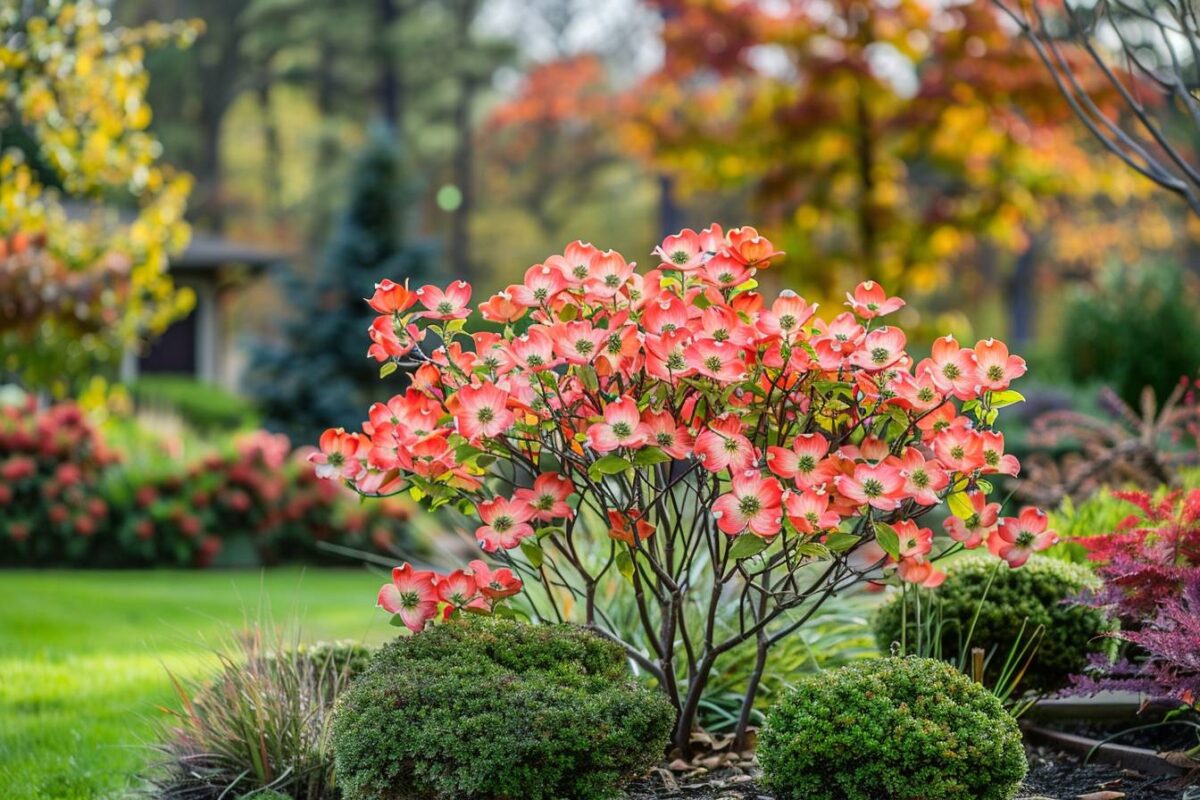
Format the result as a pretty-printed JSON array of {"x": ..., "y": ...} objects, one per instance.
[
  {"x": 66, "y": 500},
  {"x": 720, "y": 454}
]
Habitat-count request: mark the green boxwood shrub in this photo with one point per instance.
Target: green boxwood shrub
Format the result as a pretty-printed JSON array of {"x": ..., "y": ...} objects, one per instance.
[
  {"x": 205, "y": 407},
  {"x": 492, "y": 709},
  {"x": 891, "y": 729},
  {"x": 1036, "y": 592}
]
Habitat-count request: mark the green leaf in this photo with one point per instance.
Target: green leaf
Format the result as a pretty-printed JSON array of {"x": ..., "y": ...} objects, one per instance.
[
  {"x": 587, "y": 376},
  {"x": 649, "y": 456},
  {"x": 397, "y": 621},
  {"x": 568, "y": 313},
  {"x": 747, "y": 545},
  {"x": 608, "y": 465},
  {"x": 625, "y": 564},
  {"x": 888, "y": 539},
  {"x": 813, "y": 550},
  {"x": 960, "y": 505},
  {"x": 840, "y": 542},
  {"x": 533, "y": 552},
  {"x": 984, "y": 486},
  {"x": 388, "y": 368},
  {"x": 1006, "y": 398}
]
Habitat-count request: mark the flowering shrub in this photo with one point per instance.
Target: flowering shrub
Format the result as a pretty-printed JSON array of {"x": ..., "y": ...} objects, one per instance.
[
  {"x": 63, "y": 501},
  {"x": 493, "y": 709},
  {"x": 674, "y": 428},
  {"x": 51, "y": 466},
  {"x": 896, "y": 728}
]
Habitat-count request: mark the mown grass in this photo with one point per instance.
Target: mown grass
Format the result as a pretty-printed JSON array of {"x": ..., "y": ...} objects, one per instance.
[{"x": 83, "y": 659}]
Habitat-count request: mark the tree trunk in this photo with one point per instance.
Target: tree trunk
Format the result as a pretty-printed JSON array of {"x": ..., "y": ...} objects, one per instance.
[
  {"x": 464, "y": 152},
  {"x": 272, "y": 155},
  {"x": 1022, "y": 296},
  {"x": 388, "y": 83}
]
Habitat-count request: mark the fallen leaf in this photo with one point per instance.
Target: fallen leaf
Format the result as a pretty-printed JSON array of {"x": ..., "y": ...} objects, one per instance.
[{"x": 1101, "y": 796}]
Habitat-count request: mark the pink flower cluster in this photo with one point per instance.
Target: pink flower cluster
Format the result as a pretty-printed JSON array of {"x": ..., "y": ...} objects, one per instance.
[
  {"x": 809, "y": 426},
  {"x": 417, "y": 596}
]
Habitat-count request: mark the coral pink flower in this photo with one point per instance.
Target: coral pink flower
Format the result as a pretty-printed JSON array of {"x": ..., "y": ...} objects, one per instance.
[
  {"x": 959, "y": 448},
  {"x": 392, "y": 298},
  {"x": 430, "y": 456},
  {"x": 501, "y": 307},
  {"x": 754, "y": 504},
  {"x": 663, "y": 432},
  {"x": 577, "y": 342},
  {"x": 725, "y": 271},
  {"x": 920, "y": 572},
  {"x": 951, "y": 367},
  {"x": 542, "y": 283},
  {"x": 389, "y": 339},
  {"x": 922, "y": 480},
  {"x": 341, "y": 454},
  {"x": 809, "y": 511},
  {"x": 787, "y": 316},
  {"x": 797, "y": 462},
  {"x": 881, "y": 348},
  {"x": 575, "y": 262},
  {"x": 506, "y": 523},
  {"x": 482, "y": 412},
  {"x": 995, "y": 368},
  {"x": 978, "y": 528},
  {"x": 1019, "y": 537},
  {"x": 921, "y": 393},
  {"x": 665, "y": 356},
  {"x": 459, "y": 589},
  {"x": 533, "y": 350},
  {"x": 448, "y": 304},
  {"x": 608, "y": 274},
  {"x": 683, "y": 251},
  {"x": 915, "y": 541},
  {"x": 629, "y": 527},
  {"x": 994, "y": 456},
  {"x": 723, "y": 445},
  {"x": 748, "y": 247},
  {"x": 412, "y": 595},
  {"x": 880, "y": 485},
  {"x": 720, "y": 361},
  {"x": 622, "y": 427},
  {"x": 870, "y": 301},
  {"x": 665, "y": 314},
  {"x": 548, "y": 497},
  {"x": 494, "y": 584}
]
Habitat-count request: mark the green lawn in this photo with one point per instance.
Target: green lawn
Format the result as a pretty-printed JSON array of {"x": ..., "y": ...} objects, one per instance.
[{"x": 82, "y": 657}]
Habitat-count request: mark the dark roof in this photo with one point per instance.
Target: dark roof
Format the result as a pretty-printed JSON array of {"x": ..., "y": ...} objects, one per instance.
[{"x": 210, "y": 251}]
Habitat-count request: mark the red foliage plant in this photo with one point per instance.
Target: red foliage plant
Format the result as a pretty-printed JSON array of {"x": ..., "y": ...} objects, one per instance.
[{"x": 1151, "y": 571}]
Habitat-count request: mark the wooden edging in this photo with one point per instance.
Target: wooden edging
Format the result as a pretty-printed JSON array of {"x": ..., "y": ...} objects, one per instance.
[{"x": 1136, "y": 758}]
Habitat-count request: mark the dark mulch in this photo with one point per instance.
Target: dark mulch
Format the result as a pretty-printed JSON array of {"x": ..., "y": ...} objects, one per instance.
[{"x": 1052, "y": 776}]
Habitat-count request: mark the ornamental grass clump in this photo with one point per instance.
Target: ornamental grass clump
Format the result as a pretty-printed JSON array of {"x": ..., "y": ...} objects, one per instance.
[
  {"x": 983, "y": 604},
  {"x": 891, "y": 729},
  {"x": 263, "y": 724},
  {"x": 493, "y": 709},
  {"x": 674, "y": 436}
]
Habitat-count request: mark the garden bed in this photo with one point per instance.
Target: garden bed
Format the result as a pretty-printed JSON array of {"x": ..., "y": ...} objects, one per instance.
[{"x": 1053, "y": 775}]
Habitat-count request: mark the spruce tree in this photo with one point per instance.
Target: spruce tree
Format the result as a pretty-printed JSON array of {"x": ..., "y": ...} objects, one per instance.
[{"x": 319, "y": 375}]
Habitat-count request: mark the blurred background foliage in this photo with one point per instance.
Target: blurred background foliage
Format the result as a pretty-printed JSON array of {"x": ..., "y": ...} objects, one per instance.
[{"x": 921, "y": 144}]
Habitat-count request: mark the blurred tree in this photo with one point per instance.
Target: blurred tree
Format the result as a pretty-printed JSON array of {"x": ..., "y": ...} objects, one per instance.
[
  {"x": 547, "y": 140},
  {"x": 889, "y": 141},
  {"x": 87, "y": 214},
  {"x": 319, "y": 375}
]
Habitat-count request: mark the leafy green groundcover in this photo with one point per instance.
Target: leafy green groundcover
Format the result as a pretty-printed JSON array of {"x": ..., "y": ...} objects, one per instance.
[{"x": 82, "y": 659}]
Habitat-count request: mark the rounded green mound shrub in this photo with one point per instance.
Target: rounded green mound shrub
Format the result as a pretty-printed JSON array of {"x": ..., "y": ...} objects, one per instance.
[
  {"x": 891, "y": 729},
  {"x": 492, "y": 709},
  {"x": 1036, "y": 592}
]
